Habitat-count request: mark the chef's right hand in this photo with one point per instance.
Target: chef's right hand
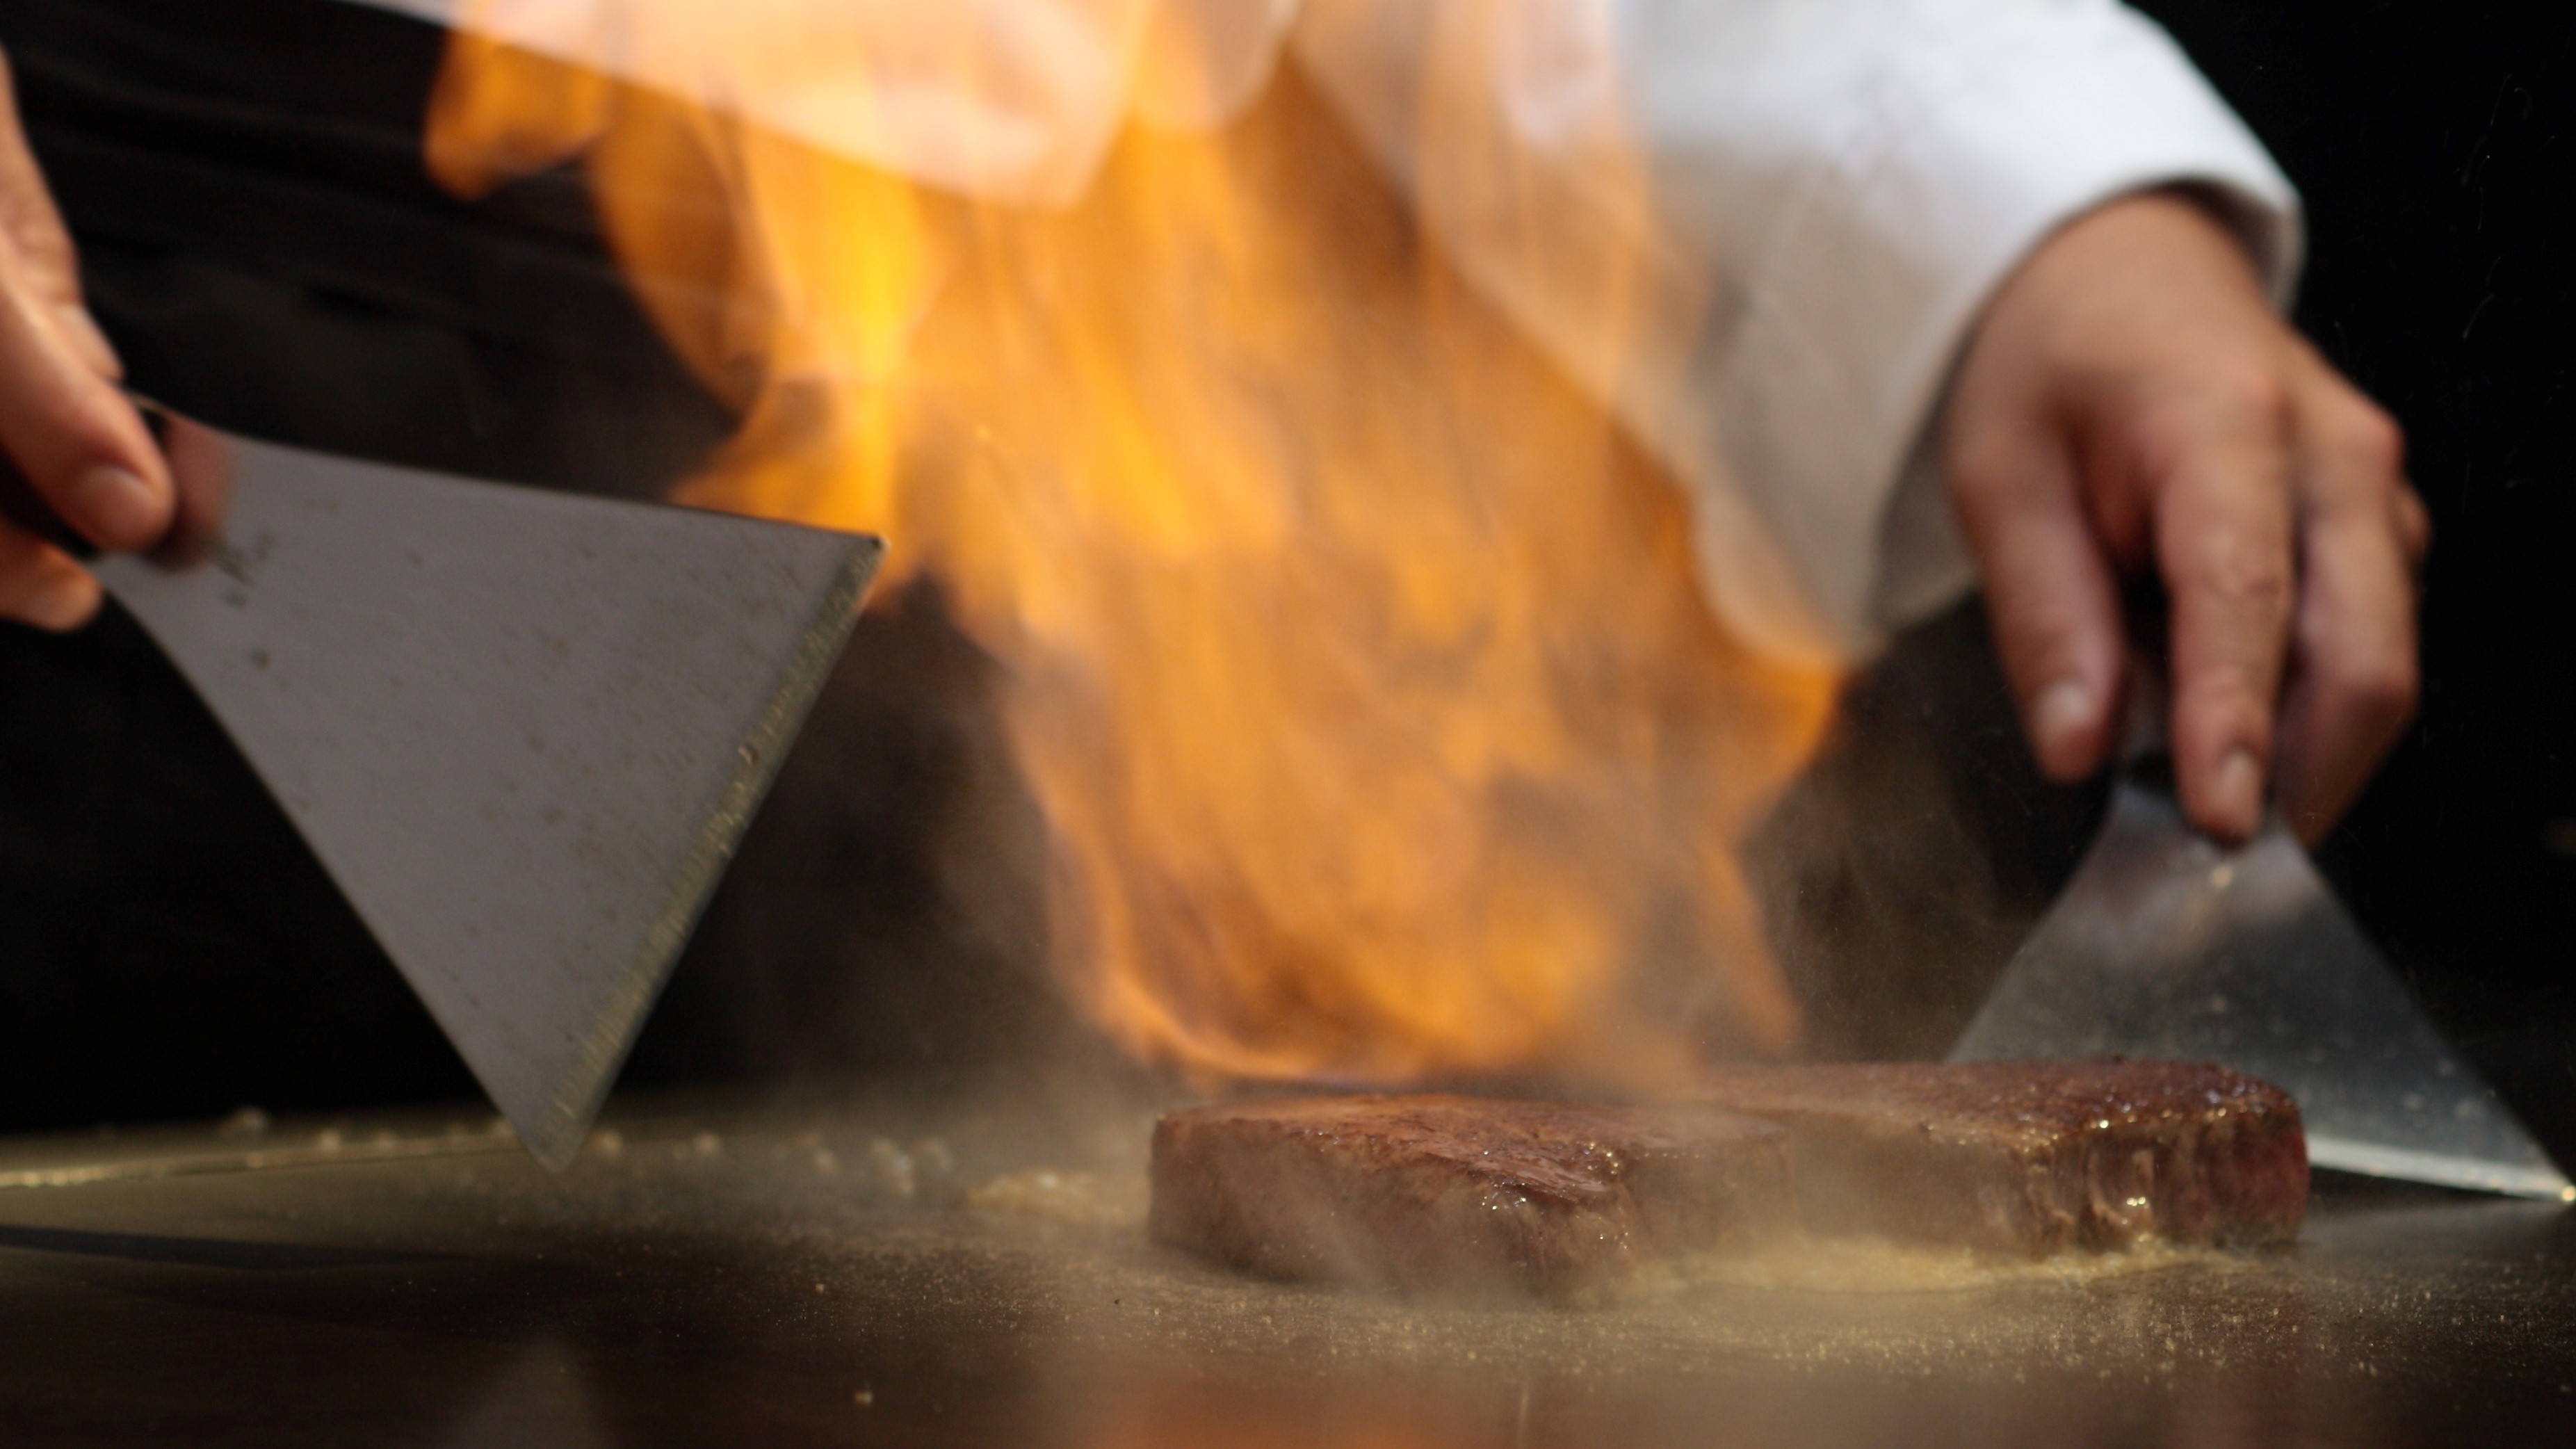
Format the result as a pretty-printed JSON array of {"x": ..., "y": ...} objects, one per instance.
[
  {"x": 2131, "y": 405},
  {"x": 79, "y": 443}
]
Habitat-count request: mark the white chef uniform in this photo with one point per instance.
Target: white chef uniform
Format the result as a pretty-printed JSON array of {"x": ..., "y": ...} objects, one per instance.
[{"x": 1845, "y": 181}]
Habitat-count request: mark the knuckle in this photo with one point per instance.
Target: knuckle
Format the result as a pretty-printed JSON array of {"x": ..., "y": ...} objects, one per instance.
[
  {"x": 2240, "y": 408},
  {"x": 2414, "y": 521},
  {"x": 2360, "y": 460},
  {"x": 2249, "y": 395},
  {"x": 2372, "y": 442},
  {"x": 2382, "y": 689},
  {"x": 2241, "y": 575}
]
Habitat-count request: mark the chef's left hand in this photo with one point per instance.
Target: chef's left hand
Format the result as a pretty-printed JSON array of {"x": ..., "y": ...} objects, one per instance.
[
  {"x": 2131, "y": 402},
  {"x": 79, "y": 444}
]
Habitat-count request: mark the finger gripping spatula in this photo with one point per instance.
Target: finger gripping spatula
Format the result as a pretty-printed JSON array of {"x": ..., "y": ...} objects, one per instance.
[
  {"x": 522, "y": 730},
  {"x": 2167, "y": 945}
]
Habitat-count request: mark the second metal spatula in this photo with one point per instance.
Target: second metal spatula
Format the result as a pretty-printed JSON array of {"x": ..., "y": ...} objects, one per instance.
[{"x": 2168, "y": 945}]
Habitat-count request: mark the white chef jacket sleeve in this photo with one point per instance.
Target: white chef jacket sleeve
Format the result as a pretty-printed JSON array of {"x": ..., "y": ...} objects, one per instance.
[
  {"x": 1856, "y": 177},
  {"x": 1835, "y": 186}
]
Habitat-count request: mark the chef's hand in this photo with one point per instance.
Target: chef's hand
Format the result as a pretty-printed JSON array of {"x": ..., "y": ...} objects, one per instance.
[
  {"x": 2132, "y": 403},
  {"x": 79, "y": 443}
]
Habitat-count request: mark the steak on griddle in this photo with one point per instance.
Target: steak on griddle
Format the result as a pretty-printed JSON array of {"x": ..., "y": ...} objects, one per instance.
[
  {"x": 1460, "y": 1193},
  {"x": 2034, "y": 1156}
]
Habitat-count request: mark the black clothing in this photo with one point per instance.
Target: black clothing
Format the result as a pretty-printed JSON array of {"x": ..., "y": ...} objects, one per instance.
[
  {"x": 261, "y": 244},
  {"x": 259, "y": 240}
]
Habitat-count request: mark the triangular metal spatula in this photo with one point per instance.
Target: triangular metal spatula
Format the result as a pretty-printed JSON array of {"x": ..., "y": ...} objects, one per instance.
[
  {"x": 2166, "y": 945},
  {"x": 522, "y": 730}
]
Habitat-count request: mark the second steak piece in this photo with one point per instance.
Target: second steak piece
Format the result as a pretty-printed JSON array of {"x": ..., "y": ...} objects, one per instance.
[
  {"x": 1458, "y": 1192},
  {"x": 2034, "y": 1156}
]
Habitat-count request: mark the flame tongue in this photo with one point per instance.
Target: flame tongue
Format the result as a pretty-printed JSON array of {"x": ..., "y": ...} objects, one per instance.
[{"x": 1353, "y": 656}]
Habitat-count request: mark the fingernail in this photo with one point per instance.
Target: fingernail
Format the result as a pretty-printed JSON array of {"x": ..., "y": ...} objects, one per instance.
[
  {"x": 61, "y": 605},
  {"x": 2062, "y": 711},
  {"x": 115, "y": 504},
  {"x": 2236, "y": 787}
]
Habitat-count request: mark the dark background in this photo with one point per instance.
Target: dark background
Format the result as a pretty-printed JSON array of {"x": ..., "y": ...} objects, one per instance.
[
  {"x": 244, "y": 182},
  {"x": 2433, "y": 144}
]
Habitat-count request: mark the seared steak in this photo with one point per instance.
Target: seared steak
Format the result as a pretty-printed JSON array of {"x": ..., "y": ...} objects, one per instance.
[
  {"x": 1460, "y": 1193},
  {"x": 2034, "y": 1156}
]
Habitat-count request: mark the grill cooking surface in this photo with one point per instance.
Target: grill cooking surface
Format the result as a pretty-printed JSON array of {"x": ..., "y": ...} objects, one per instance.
[{"x": 974, "y": 1279}]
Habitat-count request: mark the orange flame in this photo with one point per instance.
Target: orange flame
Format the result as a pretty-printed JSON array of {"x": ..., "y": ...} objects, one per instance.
[{"x": 1353, "y": 654}]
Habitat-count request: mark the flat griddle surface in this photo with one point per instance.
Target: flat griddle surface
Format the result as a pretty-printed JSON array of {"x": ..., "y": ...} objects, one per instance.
[{"x": 732, "y": 1278}]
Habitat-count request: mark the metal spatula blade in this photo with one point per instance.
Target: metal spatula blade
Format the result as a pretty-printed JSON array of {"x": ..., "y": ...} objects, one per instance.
[
  {"x": 2166, "y": 945},
  {"x": 522, "y": 730}
]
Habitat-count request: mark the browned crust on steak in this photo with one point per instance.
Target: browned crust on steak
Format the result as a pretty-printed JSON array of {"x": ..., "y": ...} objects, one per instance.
[
  {"x": 2035, "y": 1156},
  {"x": 1460, "y": 1193}
]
